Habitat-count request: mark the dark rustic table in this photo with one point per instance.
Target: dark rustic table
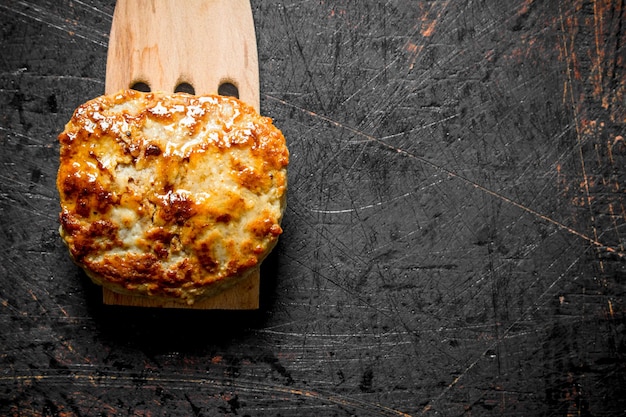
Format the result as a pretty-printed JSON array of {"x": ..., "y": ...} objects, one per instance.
[{"x": 454, "y": 240}]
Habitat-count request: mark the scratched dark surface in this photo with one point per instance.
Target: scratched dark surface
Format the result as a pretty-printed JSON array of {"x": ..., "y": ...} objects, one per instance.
[{"x": 454, "y": 239}]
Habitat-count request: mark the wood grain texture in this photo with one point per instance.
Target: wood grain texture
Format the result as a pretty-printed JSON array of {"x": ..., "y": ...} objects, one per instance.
[
  {"x": 453, "y": 240},
  {"x": 243, "y": 296},
  {"x": 201, "y": 43}
]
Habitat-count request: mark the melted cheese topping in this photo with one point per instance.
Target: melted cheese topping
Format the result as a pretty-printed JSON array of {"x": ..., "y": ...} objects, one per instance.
[{"x": 173, "y": 196}]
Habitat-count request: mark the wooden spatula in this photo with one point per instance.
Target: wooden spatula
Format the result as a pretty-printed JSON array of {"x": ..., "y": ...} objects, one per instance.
[{"x": 193, "y": 46}]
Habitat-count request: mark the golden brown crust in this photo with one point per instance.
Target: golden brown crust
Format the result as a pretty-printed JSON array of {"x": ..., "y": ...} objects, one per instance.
[{"x": 173, "y": 196}]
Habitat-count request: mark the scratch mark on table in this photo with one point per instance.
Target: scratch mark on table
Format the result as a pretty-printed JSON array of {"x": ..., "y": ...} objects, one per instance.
[
  {"x": 26, "y": 137},
  {"x": 94, "y": 9},
  {"x": 78, "y": 377},
  {"x": 58, "y": 77},
  {"x": 55, "y": 22},
  {"x": 375, "y": 205},
  {"x": 569, "y": 53}
]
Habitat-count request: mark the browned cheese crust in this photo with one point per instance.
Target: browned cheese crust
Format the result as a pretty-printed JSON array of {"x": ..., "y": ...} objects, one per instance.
[{"x": 173, "y": 196}]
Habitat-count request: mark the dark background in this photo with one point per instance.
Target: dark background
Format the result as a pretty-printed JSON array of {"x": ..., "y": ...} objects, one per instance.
[{"x": 454, "y": 237}]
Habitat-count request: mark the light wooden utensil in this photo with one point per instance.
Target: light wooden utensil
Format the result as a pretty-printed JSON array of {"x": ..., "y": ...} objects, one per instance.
[{"x": 194, "y": 46}]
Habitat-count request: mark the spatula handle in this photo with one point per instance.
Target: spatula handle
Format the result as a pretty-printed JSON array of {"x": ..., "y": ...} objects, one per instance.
[{"x": 165, "y": 43}]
